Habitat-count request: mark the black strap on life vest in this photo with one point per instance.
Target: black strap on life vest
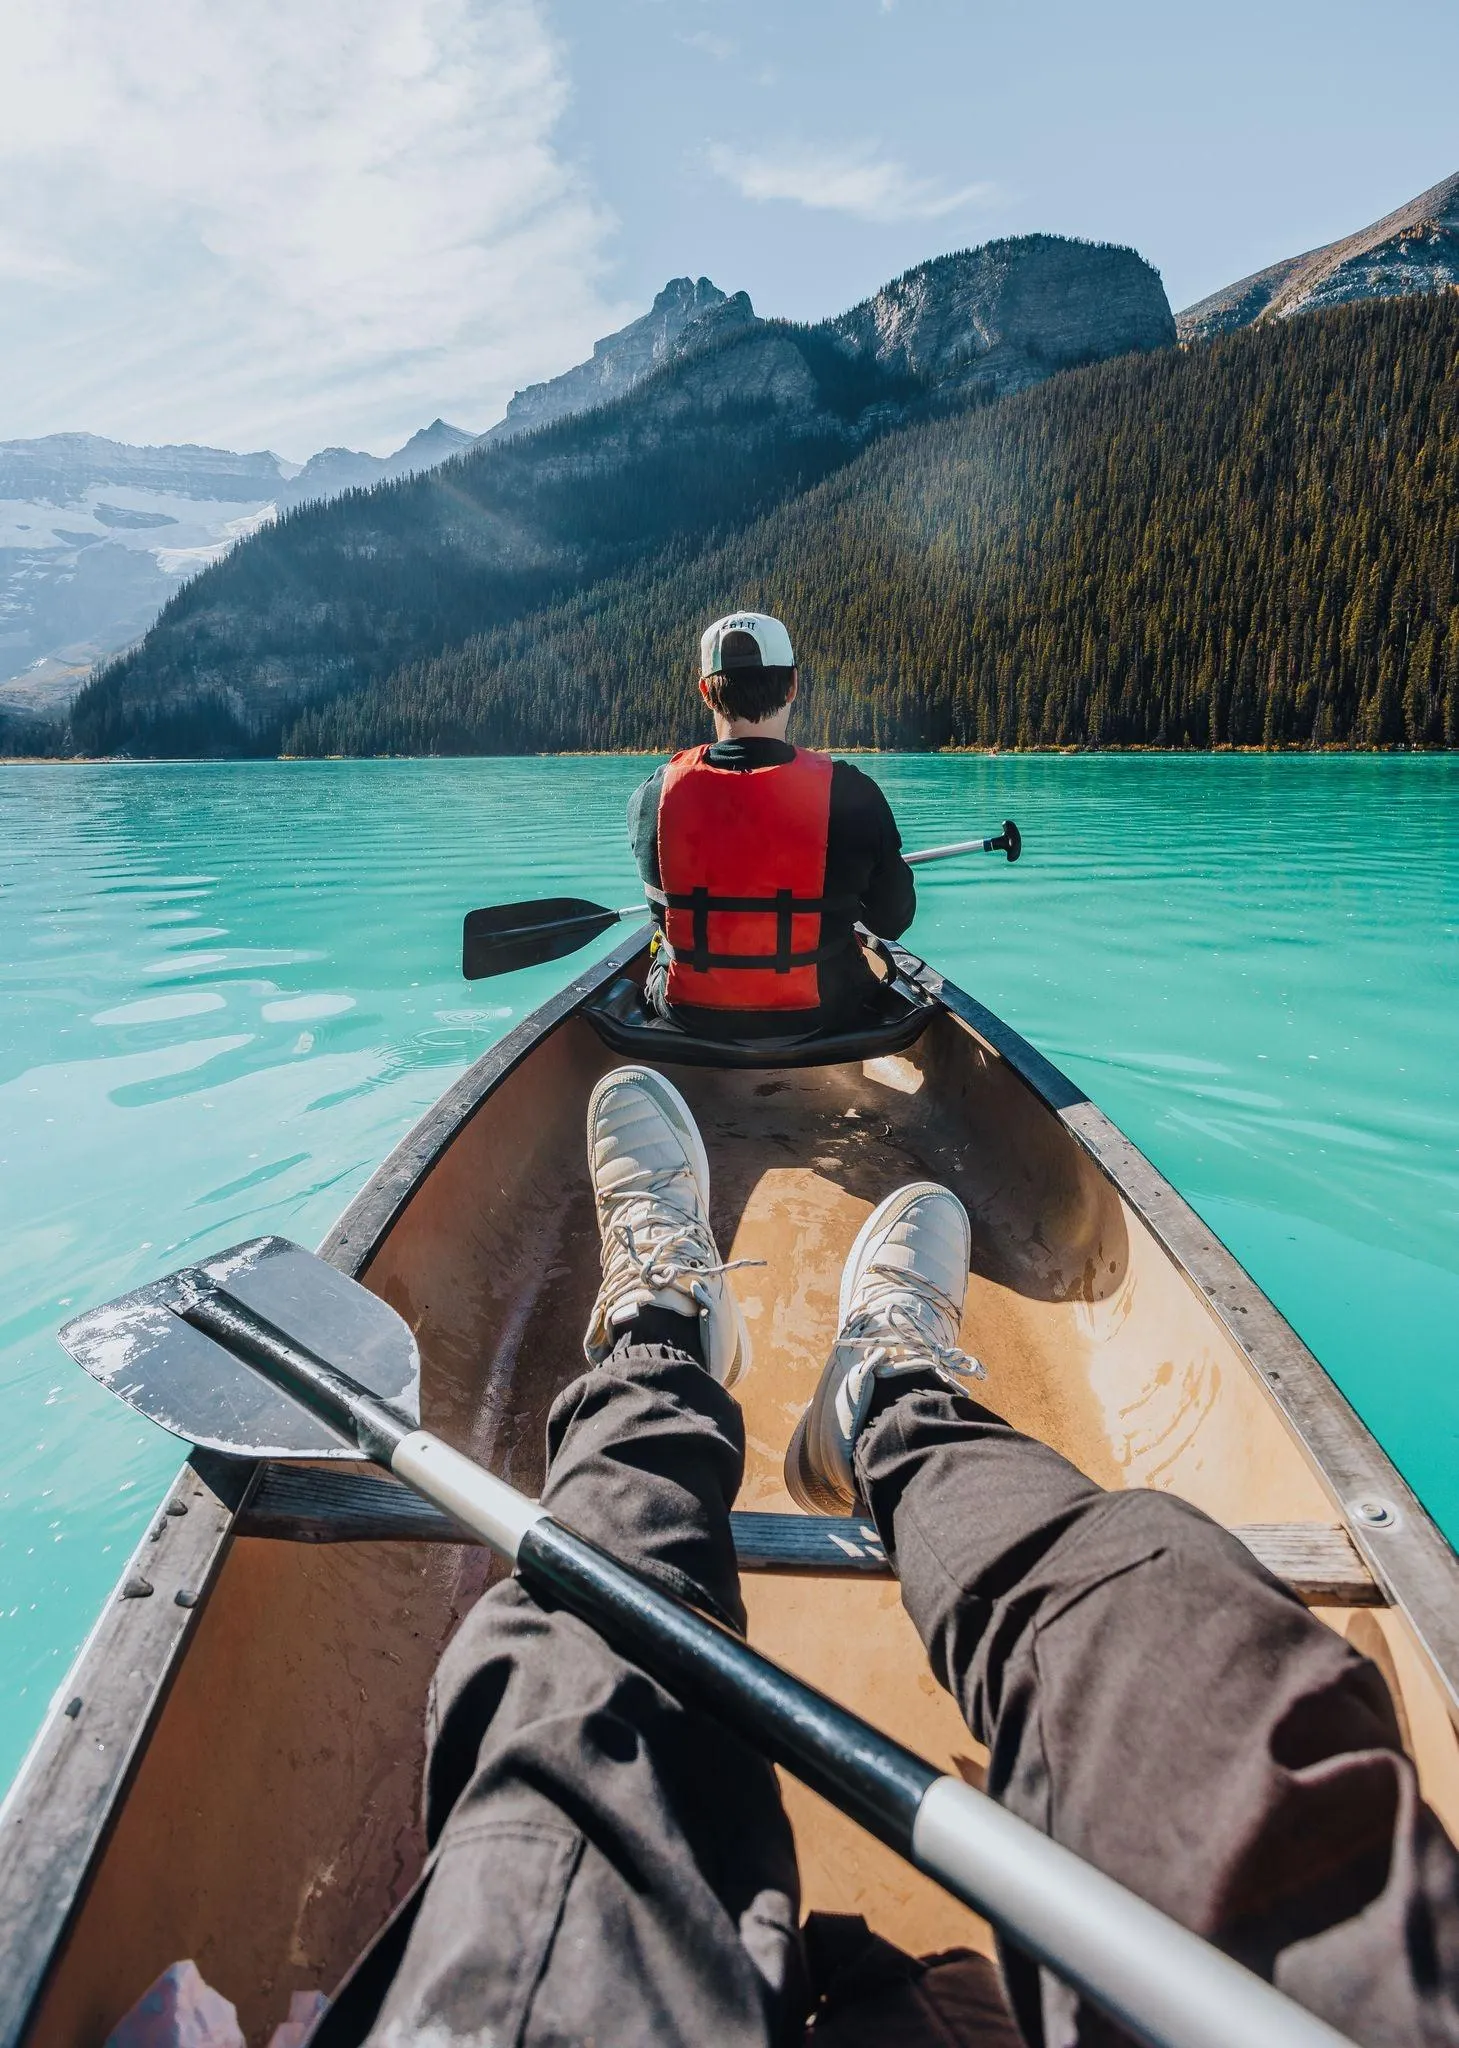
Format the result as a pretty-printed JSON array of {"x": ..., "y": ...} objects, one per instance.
[{"x": 783, "y": 906}]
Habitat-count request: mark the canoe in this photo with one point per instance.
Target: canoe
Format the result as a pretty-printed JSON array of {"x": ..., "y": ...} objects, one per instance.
[{"x": 231, "y": 1770}]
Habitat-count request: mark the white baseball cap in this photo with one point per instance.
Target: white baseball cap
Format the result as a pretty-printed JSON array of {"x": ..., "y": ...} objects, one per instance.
[{"x": 772, "y": 644}]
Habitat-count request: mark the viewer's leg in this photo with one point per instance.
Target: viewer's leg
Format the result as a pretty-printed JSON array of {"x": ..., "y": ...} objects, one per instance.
[
  {"x": 607, "y": 1865},
  {"x": 1155, "y": 1700},
  {"x": 1149, "y": 1694}
]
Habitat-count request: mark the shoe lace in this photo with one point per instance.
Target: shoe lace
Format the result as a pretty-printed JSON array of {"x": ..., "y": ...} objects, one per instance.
[
  {"x": 655, "y": 1241},
  {"x": 905, "y": 1320}
]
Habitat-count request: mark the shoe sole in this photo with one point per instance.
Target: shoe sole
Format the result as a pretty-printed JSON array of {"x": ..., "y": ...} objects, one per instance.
[
  {"x": 806, "y": 1488},
  {"x": 678, "y": 1113}
]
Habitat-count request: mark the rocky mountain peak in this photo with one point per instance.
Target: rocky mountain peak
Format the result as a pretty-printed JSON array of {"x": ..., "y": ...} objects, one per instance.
[
  {"x": 334, "y": 470},
  {"x": 683, "y": 299},
  {"x": 431, "y": 444},
  {"x": 1010, "y": 312},
  {"x": 1413, "y": 249},
  {"x": 621, "y": 360}
]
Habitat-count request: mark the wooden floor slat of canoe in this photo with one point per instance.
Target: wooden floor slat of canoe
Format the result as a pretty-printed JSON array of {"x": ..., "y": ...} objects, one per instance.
[{"x": 303, "y": 1504}]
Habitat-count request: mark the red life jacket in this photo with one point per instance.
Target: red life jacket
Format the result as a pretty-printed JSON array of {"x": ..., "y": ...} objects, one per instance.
[{"x": 742, "y": 868}]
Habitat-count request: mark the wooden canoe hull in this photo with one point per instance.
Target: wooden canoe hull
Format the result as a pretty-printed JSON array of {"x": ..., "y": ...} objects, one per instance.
[{"x": 254, "y": 1801}]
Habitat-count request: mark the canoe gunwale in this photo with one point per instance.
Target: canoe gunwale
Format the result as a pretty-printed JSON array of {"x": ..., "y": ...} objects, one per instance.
[
  {"x": 1408, "y": 1555},
  {"x": 75, "y": 1778},
  {"x": 62, "y": 1800}
]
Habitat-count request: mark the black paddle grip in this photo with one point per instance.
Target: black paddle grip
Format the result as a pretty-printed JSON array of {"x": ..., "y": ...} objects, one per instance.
[{"x": 868, "y": 1776}]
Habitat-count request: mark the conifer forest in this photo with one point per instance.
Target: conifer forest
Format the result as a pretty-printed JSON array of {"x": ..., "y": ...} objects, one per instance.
[{"x": 1253, "y": 542}]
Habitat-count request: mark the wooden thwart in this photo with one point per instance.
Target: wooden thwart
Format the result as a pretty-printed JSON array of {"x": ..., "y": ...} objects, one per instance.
[{"x": 306, "y": 1504}]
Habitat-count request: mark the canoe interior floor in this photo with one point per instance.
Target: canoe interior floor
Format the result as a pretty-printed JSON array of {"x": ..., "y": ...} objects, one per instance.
[{"x": 272, "y": 1823}]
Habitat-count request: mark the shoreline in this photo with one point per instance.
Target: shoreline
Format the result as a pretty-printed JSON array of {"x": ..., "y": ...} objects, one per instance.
[{"x": 1328, "y": 752}]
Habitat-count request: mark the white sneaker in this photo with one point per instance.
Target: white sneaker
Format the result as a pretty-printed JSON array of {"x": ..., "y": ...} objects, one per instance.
[
  {"x": 650, "y": 1176},
  {"x": 902, "y": 1296}
]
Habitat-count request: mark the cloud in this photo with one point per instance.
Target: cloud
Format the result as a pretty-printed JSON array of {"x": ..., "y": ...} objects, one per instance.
[
  {"x": 858, "y": 182},
  {"x": 286, "y": 225},
  {"x": 23, "y": 262},
  {"x": 718, "y": 47}
]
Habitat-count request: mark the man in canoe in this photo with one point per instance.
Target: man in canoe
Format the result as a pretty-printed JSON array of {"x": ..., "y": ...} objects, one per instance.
[
  {"x": 759, "y": 857},
  {"x": 611, "y": 1867}
]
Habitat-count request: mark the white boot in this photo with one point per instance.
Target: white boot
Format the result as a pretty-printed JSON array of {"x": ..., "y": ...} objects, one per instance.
[
  {"x": 901, "y": 1309},
  {"x": 650, "y": 1178}
]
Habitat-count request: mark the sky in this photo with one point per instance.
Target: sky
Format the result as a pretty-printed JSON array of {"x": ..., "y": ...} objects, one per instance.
[{"x": 295, "y": 226}]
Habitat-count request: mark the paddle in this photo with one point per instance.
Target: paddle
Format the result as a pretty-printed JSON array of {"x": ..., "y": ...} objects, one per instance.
[
  {"x": 505, "y": 936},
  {"x": 265, "y": 1351}
]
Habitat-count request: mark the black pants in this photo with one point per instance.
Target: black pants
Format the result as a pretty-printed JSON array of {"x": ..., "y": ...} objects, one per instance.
[{"x": 611, "y": 1868}]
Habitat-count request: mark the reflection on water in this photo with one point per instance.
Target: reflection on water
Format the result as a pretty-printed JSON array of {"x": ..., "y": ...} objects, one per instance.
[{"x": 225, "y": 991}]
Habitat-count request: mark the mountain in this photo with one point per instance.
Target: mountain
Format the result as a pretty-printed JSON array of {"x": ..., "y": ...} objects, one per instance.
[
  {"x": 95, "y": 536},
  {"x": 1256, "y": 545},
  {"x": 1004, "y": 316},
  {"x": 334, "y": 470},
  {"x": 81, "y": 578},
  {"x": 621, "y": 360},
  {"x": 1413, "y": 250},
  {"x": 740, "y": 414},
  {"x": 331, "y": 595}
]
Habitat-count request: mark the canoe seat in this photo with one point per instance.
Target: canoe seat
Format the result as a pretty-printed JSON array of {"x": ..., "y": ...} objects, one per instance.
[
  {"x": 897, "y": 1016},
  {"x": 305, "y": 1504}
]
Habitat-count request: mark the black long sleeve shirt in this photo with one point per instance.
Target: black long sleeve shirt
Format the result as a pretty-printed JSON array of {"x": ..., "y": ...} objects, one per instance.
[{"x": 863, "y": 860}]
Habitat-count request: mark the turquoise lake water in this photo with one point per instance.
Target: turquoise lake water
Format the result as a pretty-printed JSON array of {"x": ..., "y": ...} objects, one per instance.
[{"x": 225, "y": 991}]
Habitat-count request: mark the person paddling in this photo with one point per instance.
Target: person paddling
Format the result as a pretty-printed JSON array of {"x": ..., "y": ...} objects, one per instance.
[{"x": 758, "y": 858}]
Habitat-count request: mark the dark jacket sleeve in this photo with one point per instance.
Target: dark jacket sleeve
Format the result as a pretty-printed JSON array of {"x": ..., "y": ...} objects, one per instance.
[
  {"x": 643, "y": 826},
  {"x": 865, "y": 823}
]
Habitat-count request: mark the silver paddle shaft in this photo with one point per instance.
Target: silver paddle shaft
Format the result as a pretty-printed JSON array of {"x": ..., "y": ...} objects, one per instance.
[
  {"x": 917, "y": 860},
  {"x": 913, "y": 860}
]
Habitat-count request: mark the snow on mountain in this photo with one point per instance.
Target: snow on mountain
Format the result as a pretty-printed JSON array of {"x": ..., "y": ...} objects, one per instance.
[{"x": 95, "y": 536}]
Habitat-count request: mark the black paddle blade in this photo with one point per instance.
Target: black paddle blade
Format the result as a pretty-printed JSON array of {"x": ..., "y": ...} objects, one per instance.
[
  {"x": 1012, "y": 839},
  {"x": 140, "y": 1350},
  {"x": 505, "y": 936}
]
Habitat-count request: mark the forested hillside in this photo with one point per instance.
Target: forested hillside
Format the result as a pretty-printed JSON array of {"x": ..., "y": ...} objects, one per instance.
[
  {"x": 1255, "y": 543},
  {"x": 740, "y": 414},
  {"x": 334, "y": 594}
]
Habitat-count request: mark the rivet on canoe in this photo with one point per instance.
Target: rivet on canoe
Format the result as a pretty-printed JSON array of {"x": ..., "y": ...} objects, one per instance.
[{"x": 1377, "y": 1514}]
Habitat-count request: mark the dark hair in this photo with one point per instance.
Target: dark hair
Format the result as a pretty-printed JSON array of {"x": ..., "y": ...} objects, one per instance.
[
  {"x": 749, "y": 693},
  {"x": 747, "y": 687}
]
